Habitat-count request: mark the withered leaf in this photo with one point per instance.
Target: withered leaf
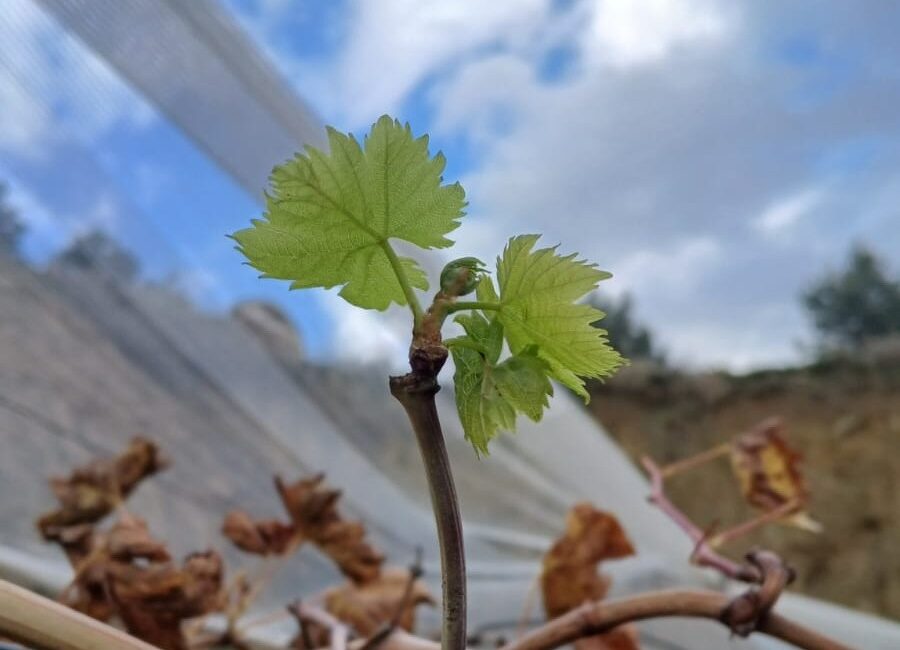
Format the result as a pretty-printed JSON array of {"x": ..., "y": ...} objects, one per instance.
[
  {"x": 79, "y": 504},
  {"x": 130, "y": 539},
  {"x": 309, "y": 502},
  {"x": 345, "y": 543},
  {"x": 154, "y": 600},
  {"x": 76, "y": 541},
  {"x": 313, "y": 510},
  {"x": 124, "y": 571},
  {"x": 368, "y": 607},
  {"x": 314, "y": 517},
  {"x": 569, "y": 577},
  {"x": 92, "y": 554},
  {"x": 768, "y": 472},
  {"x": 88, "y": 555},
  {"x": 262, "y": 537},
  {"x": 91, "y": 492}
]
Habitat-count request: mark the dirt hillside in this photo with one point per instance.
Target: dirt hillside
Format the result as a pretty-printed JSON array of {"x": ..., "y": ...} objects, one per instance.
[{"x": 844, "y": 415}]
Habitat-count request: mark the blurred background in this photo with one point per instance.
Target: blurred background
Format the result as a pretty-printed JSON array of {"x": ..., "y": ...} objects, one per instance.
[{"x": 734, "y": 165}]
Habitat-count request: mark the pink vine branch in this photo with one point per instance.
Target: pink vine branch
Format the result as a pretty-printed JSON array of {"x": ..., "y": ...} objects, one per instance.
[{"x": 704, "y": 554}]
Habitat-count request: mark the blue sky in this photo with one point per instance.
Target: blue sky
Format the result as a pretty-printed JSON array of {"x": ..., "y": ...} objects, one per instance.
[{"x": 716, "y": 157}]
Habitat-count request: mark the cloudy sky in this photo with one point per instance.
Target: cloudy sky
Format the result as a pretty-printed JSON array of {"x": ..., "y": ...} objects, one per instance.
[{"x": 715, "y": 156}]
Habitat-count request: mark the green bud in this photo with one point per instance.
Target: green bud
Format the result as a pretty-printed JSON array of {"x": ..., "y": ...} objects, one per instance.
[{"x": 461, "y": 276}]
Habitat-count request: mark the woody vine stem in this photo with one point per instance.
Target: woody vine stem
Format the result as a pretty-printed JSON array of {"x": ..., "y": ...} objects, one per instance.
[{"x": 416, "y": 392}]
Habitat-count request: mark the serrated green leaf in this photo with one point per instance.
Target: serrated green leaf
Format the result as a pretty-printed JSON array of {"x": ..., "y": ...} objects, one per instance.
[
  {"x": 485, "y": 292},
  {"x": 538, "y": 290},
  {"x": 489, "y": 394},
  {"x": 329, "y": 217},
  {"x": 486, "y": 335},
  {"x": 523, "y": 381},
  {"x": 482, "y": 411}
]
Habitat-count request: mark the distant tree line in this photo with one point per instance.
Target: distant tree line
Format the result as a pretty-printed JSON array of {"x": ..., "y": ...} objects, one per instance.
[
  {"x": 857, "y": 304},
  {"x": 850, "y": 307},
  {"x": 630, "y": 337},
  {"x": 11, "y": 225},
  {"x": 92, "y": 249},
  {"x": 97, "y": 250}
]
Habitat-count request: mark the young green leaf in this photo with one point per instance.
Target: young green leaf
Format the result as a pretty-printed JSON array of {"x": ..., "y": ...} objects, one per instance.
[
  {"x": 538, "y": 290},
  {"x": 523, "y": 380},
  {"x": 488, "y": 393},
  {"x": 485, "y": 292},
  {"x": 330, "y": 217}
]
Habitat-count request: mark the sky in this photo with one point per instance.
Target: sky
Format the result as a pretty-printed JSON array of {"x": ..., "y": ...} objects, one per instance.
[{"x": 716, "y": 157}]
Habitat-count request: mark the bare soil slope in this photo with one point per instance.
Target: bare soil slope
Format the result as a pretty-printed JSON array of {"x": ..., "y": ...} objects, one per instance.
[{"x": 843, "y": 415}]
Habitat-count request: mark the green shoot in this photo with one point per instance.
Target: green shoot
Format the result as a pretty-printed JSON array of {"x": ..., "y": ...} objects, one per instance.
[{"x": 329, "y": 222}]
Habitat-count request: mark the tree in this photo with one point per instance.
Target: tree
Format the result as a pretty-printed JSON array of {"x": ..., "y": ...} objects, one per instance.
[
  {"x": 11, "y": 226},
  {"x": 856, "y": 304},
  {"x": 625, "y": 334},
  {"x": 97, "y": 250}
]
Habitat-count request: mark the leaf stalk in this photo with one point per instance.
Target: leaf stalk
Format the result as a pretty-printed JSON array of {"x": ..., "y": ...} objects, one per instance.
[
  {"x": 472, "y": 304},
  {"x": 411, "y": 298}
]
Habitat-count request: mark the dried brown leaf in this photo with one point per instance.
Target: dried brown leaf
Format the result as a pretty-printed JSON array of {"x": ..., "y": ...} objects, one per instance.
[
  {"x": 126, "y": 549},
  {"x": 345, "y": 543},
  {"x": 87, "y": 593},
  {"x": 86, "y": 550},
  {"x": 768, "y": 472},
  {"x": 309, "y": 502},
  {"x": 262, "y": 537},
  {"x": 368, "y": 607},
  {"x": 91, "y": 492},
  {"x": 129, "y": 539},
  {"x": 153, "y": 600},
  {"x": 312, "y": 507},
  {"x": 125, "y": 571},
  {"x": 79, "y": 504},
  {"x": 570, "y": 577},
  {"x": 76, "y": 541}
]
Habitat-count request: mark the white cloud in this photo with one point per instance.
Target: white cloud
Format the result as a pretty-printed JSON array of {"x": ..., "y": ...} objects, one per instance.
[
  {"x": 760, "y": 343},
  {"x": 22, "y": 121},
  {"x": 393, "y": 45},
  {"x": 625, "y": 33},
  {"x": 784, "y": 213},
  {"x": 367, "y": 336},
  {"x": 473, "y": 102},
  {"x": 661, "y": 271}
]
